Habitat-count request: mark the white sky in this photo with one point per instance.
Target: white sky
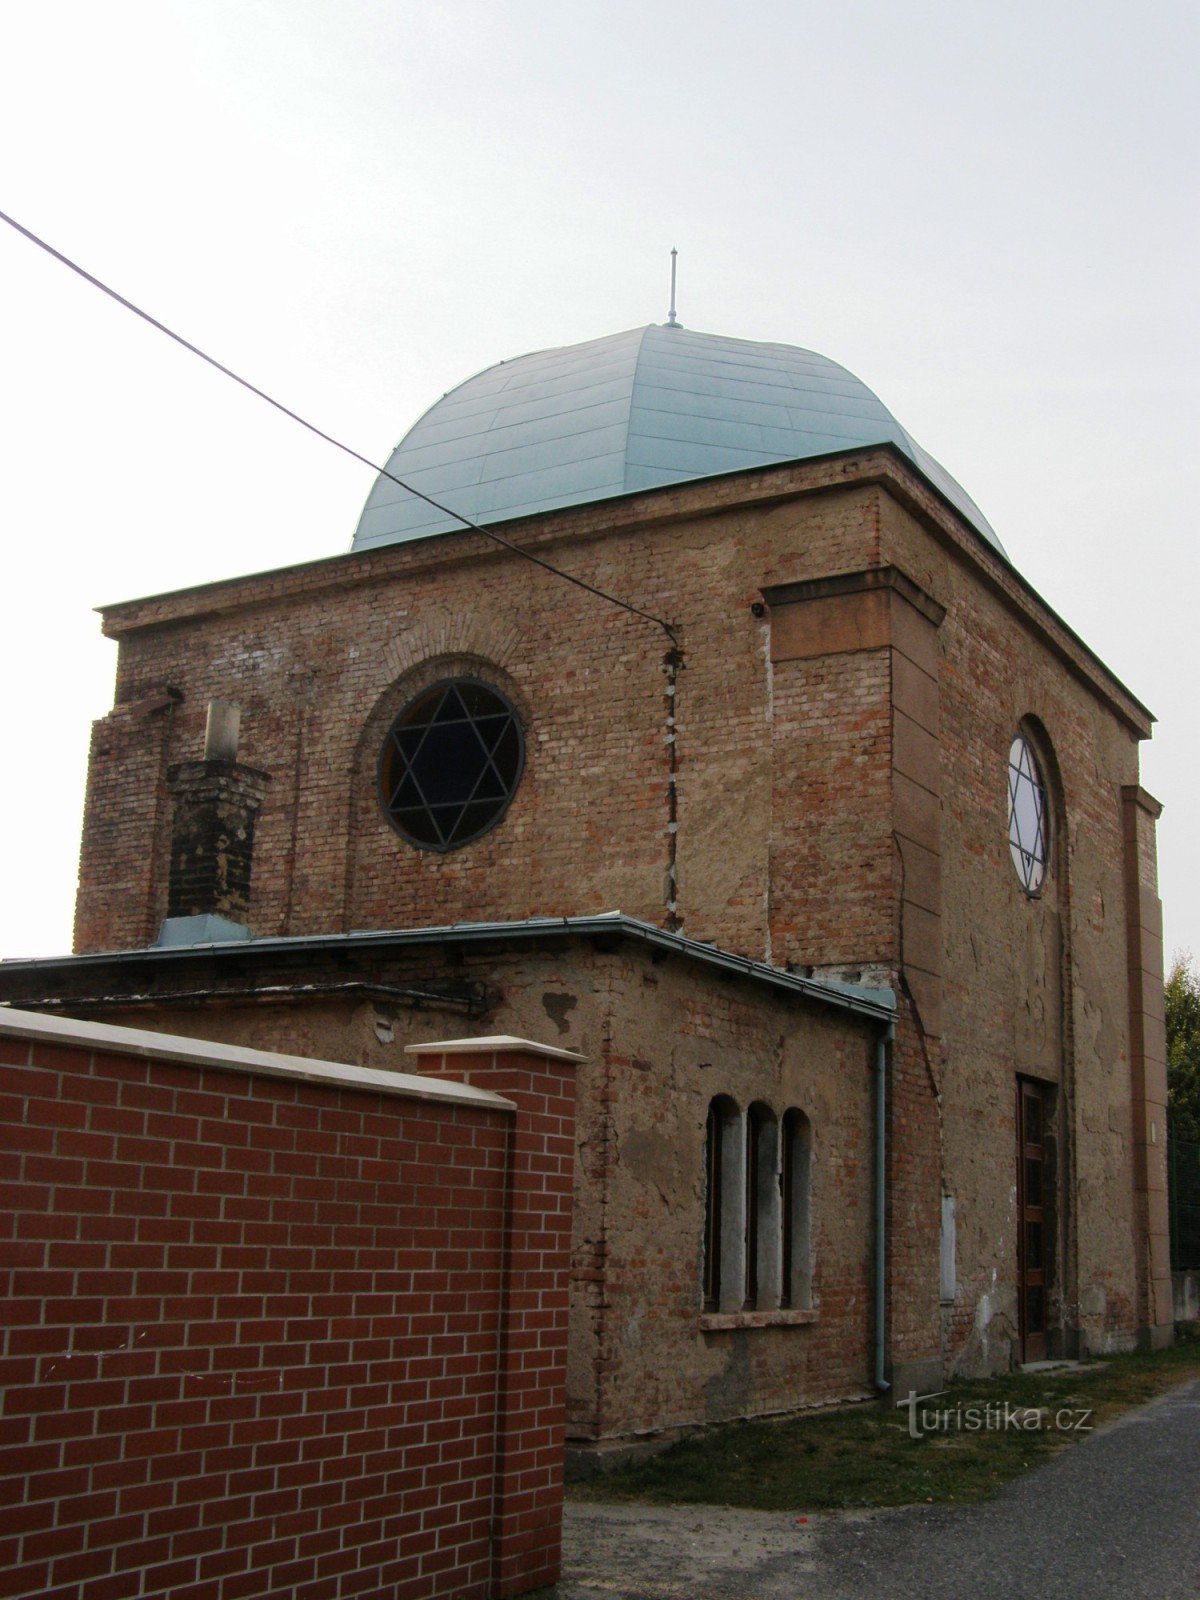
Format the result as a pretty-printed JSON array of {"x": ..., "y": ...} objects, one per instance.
[{"x": 988, "y": 213}]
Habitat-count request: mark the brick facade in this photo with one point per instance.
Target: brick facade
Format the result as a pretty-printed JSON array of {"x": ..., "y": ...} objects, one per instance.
[
  {"x": 267, "y": 1320},
  {"x": 855, "y": 664}
]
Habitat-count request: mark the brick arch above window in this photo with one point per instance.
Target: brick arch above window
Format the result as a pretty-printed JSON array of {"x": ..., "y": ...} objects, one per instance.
[
  {"x": 423, "y": 674},
  {"x": 439, "y": 633}
]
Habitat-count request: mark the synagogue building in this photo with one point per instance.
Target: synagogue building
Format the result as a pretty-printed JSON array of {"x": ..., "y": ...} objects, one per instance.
[{"x": 825, "y": 850}]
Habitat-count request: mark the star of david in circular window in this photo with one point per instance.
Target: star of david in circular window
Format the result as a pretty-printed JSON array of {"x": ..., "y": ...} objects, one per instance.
[
  {"x": 1028, "y": 816},
  {"x": 450, "y": 764}
]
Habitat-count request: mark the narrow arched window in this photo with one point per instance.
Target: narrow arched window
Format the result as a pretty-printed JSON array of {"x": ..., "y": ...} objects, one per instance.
[
  {"x": 712, "y": 1208},
  {"x": 724, "y": 1207},
  {"x": 762, "y": 1209},
  {"x": 796, "y": 1198},
  {"x": 1028, "y": 815}
]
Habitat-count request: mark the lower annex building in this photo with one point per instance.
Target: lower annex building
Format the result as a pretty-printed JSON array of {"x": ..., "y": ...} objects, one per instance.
[{"x": 843, "y": 882}]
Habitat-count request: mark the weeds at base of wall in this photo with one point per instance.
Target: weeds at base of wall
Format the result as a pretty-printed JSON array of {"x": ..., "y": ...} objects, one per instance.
[{"x": 981, "y": 1436}]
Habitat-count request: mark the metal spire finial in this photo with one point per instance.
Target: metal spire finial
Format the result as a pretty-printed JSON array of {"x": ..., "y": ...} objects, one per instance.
[{"x": 672, "y": 319}]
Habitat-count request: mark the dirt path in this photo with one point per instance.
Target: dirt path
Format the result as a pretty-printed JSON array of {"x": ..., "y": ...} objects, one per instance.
[
  {"x": 663, "y": 1552},
  {"x": 1116, "y": 1515}
]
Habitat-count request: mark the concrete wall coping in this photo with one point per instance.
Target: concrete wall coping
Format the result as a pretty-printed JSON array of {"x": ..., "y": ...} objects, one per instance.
[
  {"x": 492, "y": 1045},
  {"x": 180, "y": 1051}
]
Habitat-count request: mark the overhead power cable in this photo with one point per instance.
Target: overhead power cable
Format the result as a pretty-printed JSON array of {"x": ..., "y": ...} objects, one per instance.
[{"x": 486, "y": 533}]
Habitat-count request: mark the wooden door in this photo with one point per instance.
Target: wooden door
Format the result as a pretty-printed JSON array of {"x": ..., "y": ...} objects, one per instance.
[{"x": 1031, "y": 1218}]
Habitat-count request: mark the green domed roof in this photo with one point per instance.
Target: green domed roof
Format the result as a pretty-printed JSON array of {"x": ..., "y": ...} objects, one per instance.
[{"x": 633, "y": 411}]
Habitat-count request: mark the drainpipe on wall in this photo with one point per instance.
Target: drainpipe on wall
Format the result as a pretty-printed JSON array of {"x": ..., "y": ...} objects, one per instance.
[
  {"x": 672, "y": 662},
  {"x": 881, "y": 1052}
]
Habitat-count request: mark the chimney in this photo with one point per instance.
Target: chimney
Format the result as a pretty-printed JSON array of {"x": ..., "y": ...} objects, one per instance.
[{"x": 212, "y": 840}]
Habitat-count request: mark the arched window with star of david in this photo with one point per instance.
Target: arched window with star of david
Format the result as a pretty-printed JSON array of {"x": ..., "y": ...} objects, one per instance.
[
  {"x": 451, "y": 764},
  {"x": 1028, "y": 815}
]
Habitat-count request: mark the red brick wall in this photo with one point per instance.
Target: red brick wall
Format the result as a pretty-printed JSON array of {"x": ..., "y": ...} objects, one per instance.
[
  {"x": 260, "y": 1338},
  {"x": 533, "y": 1378}
]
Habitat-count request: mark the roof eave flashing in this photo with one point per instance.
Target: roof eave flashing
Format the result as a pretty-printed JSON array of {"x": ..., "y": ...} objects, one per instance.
[
  {"x": 689, "y": 498},
  {"x": 875, "y": 1004},
  {"x": 120, "y": 617}
]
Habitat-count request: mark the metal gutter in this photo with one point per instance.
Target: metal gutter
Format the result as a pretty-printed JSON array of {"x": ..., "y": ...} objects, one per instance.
[
  {"x": 880, "y": 1264},
  {"x": 877, "y": 1004},
  {"x": 263, "y": 994}
]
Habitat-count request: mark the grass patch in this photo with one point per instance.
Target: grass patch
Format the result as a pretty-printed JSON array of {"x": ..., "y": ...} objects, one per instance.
[{"x": 865, "y": 1456}]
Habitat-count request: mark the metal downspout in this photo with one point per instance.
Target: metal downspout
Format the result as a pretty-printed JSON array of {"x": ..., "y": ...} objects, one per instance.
[{"x": 881, "y": 1051}]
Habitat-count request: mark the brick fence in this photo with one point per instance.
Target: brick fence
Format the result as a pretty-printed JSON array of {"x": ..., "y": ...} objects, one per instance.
[{"x": 276, "y": 1327}]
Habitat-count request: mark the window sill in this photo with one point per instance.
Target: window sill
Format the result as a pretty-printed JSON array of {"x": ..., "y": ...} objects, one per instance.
[{"x": 719, "y": 1321}]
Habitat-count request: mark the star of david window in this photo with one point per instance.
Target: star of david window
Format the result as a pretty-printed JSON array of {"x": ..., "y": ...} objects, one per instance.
[
  {"x": 1028, "y": 816},
  {"x": 450, "y": 764}
]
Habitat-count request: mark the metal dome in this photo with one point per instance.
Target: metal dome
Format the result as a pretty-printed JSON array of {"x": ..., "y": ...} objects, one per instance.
[{"x": 630, "y": 412}]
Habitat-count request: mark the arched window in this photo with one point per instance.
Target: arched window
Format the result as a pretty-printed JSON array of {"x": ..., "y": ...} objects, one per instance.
[
  {"x": 724, "y": 1206},
  {"x": 757, "y": 1236},
  {"x": 796, "y": 1186},
  {"x": 762, "y": 1209},
  {"x": 1028, "y": 815}
]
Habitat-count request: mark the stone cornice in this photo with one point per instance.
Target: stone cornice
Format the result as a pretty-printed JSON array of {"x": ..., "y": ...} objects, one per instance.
[
  {"x": 866, "y": 579},
  {"x": 883, "y": 466},
  {"x": 1134, "y": 794}
]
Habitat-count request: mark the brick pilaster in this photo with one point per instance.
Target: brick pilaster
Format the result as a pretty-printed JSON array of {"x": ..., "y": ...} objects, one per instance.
[
  {"x": 1147, "y": 1066},
  {"x": 540, "y": 1081}
]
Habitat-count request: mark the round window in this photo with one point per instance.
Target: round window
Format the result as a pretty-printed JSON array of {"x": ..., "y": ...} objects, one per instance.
[
  {"x": 1028, "y": 816},
  {"x": 450, "y": 764}
]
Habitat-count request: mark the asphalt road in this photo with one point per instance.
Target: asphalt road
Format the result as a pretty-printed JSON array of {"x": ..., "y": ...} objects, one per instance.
[{"x": 1119, "y": 1515}]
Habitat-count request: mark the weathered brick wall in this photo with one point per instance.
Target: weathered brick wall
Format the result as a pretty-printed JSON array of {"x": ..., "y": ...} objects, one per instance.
[
  {"x": 126, "y": 835},
  {"x": 789, "y": 816},
  {"x": 832, "y": 868},
  {"x": 915, "y": 1155},
  {"x": 673, "y": 1045},
  {"x": 1032, "y": 986},
  {"x": 258, "y": 1332},
  {"x": 320, "y": 659}
]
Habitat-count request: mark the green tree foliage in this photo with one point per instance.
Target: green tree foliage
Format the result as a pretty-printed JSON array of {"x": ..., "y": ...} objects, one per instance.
[{"x": 1183, "y": 1050}]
